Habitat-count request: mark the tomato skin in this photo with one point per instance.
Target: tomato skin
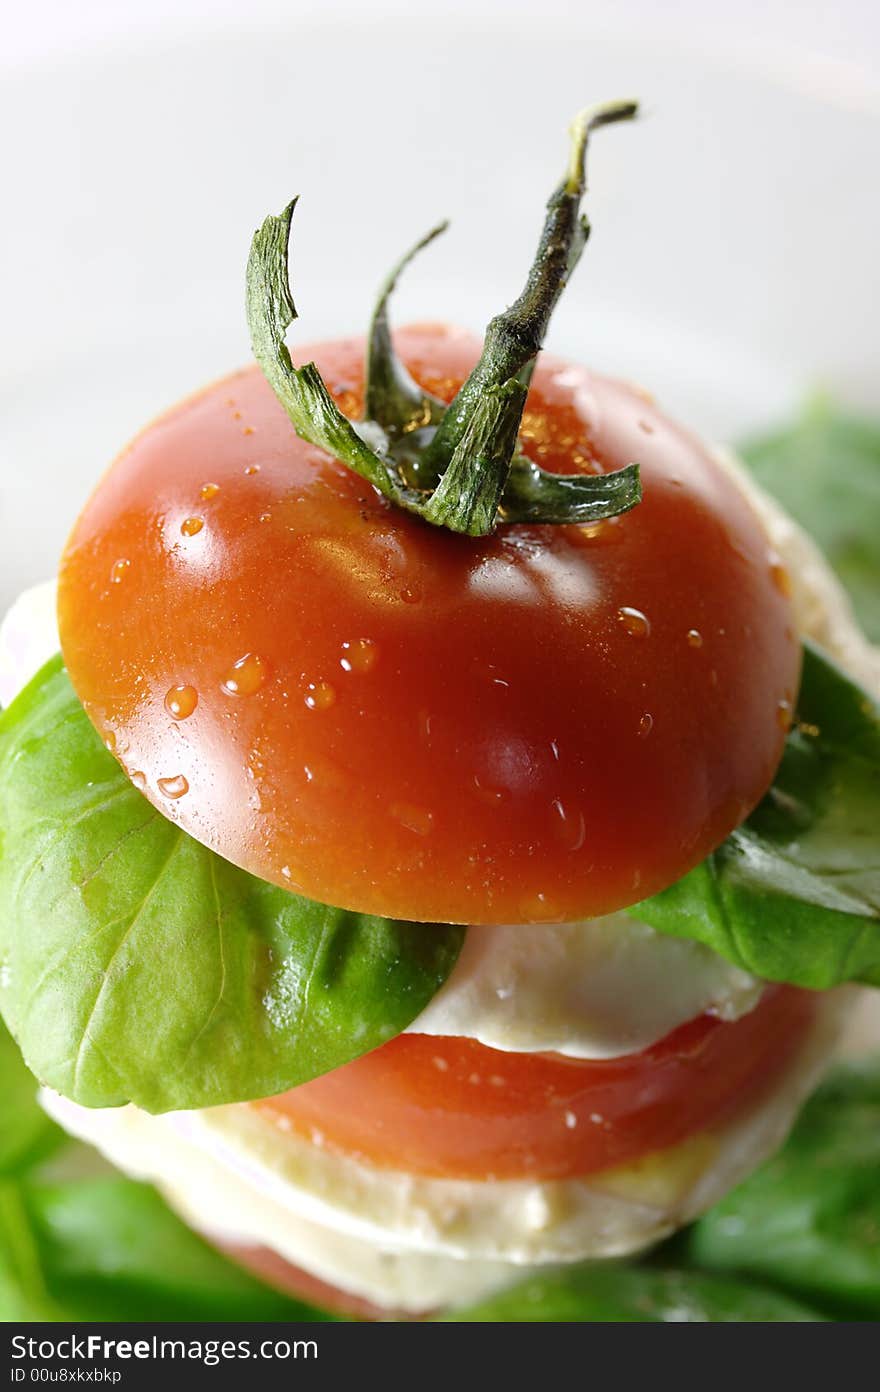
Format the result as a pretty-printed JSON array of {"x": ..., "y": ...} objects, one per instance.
[
  {"x": 423, "y": 725},
  {"x": 455, "y": 1109}
]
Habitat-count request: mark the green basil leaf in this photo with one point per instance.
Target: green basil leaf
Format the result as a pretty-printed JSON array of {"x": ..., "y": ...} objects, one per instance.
[
  {"x": 602, "y": 1292},
  {"x": 26, "y": 1132},
  {"x": 809, "y": 1221},
  {"x": 139, "y": 966},
  {"x": 794, "y": 893},
  {"x": 110, "y": 1249},
  {"x": 825, "y": 470}
]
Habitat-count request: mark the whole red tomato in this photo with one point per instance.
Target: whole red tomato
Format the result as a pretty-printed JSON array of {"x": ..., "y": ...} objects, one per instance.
[{"x": 545, "y": 724}]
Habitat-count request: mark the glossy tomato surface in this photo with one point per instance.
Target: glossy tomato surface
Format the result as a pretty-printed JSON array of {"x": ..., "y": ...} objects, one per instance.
[
  {"x": 452, "y": 1108},
  {"x": 544, "y": 725}
]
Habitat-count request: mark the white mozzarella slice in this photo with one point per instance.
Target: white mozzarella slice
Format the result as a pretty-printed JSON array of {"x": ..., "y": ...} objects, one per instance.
[
  {"x": 410, "y": 1242},
  {"x": 28, "y": 638},
  {"x": 592, "y": 990}
]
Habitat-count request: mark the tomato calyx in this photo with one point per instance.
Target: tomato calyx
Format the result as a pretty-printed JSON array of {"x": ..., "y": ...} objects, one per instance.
[{"x": 457, "y": 466}]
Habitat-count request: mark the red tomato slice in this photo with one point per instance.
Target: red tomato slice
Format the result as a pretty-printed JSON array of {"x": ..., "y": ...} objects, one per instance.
[{"x": 456, "y": 1109}]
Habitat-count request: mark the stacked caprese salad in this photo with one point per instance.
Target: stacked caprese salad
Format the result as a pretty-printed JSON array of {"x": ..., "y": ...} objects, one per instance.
[{"x": 430, "y": 855}]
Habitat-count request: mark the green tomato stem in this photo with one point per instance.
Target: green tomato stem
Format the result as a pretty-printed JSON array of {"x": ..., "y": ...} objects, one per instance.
[{"x": 459, "y": 466}]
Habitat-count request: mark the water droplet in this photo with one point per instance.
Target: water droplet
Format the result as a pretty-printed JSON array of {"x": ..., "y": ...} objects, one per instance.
[
  {"x": 646, "y": 426},
  {"x": 539, "y": 908},
  {"x": 236, "y": 415},
  {"x": 359, "y": 655},
  {"x": 694, "y": 638},
  {"x": 139, "y": 779},
  {"x": 249, "y": 430},
  {"x": 209, "y": 490},
  {"x": 110, "y": 741},
  {"x": 410, "y": 596},
  {"x": 783, "y": 714},
  {"x": 191, "y": 526},
  {"x": 118, "y": 571},
  {"x": 570, "y": 1119},
  {"x": 568, "y": 825},
  {"x": 441, "y": 1064},
  {"x": 319, "y": 695},
  {"x": 417, "y": 819},
  {"x": 780, "y": 577},
  {"x": 634, "y": 621},
  {"x": 646, "y": 725},
  {"x": 245, "y": 676},
  {"x": 486, "y": 792},
  {"x": 285, "y": 870},
  {"x": 252, "y": 469},
  {"x": 174, "y": 787},
  {"x": 181, "y": 701}
]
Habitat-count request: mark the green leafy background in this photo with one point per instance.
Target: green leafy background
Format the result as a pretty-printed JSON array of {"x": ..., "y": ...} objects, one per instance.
[{"x": 825, "y": 470}]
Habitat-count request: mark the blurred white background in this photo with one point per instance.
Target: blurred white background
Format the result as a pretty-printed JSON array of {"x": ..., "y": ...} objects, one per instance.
[{"x": 733, "y": 264}]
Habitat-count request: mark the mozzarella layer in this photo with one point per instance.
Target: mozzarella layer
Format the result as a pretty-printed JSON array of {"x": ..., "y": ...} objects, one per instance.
[{"x": 408, "y": 1242}]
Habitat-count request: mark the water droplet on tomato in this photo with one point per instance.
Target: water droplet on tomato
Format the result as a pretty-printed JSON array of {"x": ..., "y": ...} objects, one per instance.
[
  {"x": 780, "y": 577},
  {"x": 191, "y": 526},
  {"x": 568, "y": 825},
  {"x": 110, "y": 741},
  {"x": 319, "y": 695},
  {"x": 783, "y": 714},
  {"x": 209, "y": 490},
  {"x": 539, "y": 908},
  {"x": 409, "y": 595},
  {"x": 358, "y": 655},
  {"x": 173, "y": 787},
  {"x": 139, "y": 779},
  {"x": 417, "y": 819},
  {"x": 245, "y": 676},
  {"x": 181, "y": 701},
  {"x": 252, "y": 469},
  {"x": 118, "y": 571},
  {"x": 570, "y": 1119},
  {"x": 486, "y": 792},
  {"x": 634, "y": 621},
  {"x": 646, "y": 725},
  {"x": 694, "y": 638}
]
